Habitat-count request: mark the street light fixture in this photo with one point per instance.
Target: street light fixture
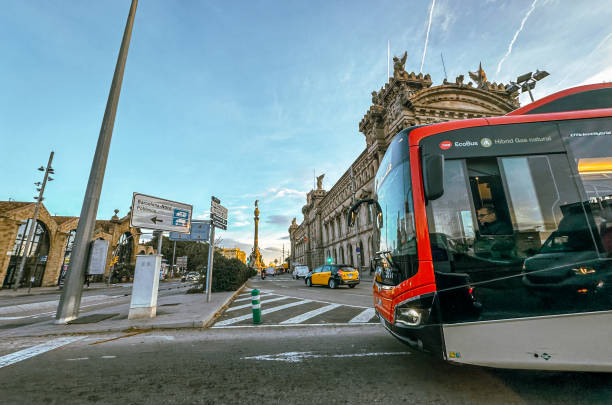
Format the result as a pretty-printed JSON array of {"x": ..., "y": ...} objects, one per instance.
[
  {"x": 526, "y": 82},
  {"x": 38, "y": 199}
]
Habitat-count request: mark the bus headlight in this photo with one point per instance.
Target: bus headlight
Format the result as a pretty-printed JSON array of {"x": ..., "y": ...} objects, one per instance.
[{"x": 409, "y": 316}]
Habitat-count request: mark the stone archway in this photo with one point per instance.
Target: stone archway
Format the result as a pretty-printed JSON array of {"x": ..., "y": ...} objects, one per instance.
[
  {"x": 123, "y": 270},
  {"x": 67, "y": 253},
  {"x": 36, "y": 257}
]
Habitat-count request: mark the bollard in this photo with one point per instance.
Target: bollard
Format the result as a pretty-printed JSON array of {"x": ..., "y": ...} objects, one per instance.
[{"x": 256, "y": 307}]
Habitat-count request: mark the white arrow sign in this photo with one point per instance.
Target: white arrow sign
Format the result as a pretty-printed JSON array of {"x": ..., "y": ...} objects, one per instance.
[
  {"x": 160, "y": 214},
  {"x": 296, "y": 357}
]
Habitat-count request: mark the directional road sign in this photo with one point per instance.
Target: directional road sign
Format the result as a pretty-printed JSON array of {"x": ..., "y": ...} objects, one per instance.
[
  {"x": 219, "y": 223},
  {"x": 218, "y": 210},
  {"x": 160, "y": 214},
  {"x": 200, "y": 231},
  {"x": 218, "y": 214}
]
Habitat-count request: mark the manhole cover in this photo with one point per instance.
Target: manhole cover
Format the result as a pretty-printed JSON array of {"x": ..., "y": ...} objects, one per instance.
[{"x": 91, "y": 318}]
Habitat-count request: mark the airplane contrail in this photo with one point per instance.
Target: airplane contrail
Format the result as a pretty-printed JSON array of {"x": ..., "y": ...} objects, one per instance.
[
  {"x": 516, "y": 35},
  {"x": 433, "y": 3}
]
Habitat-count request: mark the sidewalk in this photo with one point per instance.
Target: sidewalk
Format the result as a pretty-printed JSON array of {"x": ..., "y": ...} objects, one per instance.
[
  {"x": 173, "y": 312},
  {"x": 23, "y": 292}
]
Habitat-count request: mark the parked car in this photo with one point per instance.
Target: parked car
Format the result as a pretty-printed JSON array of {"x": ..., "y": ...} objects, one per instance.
[
  {"x": 333, "y": 275},
  {"x": 300, "y": 272},
  {"x": 191, "y": 276},
  {"x": 270, "y": 271}
]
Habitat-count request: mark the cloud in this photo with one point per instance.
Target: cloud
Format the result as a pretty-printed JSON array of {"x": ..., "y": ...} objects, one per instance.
[
  {"x": 285, "y": 237},
  {"x": 433, "y": 4},
  {"x": 599, "y": 77},
  {"x": 278, "y": 219},
  {"x": 516, "y": 35},
  {"x": 273, "y": 249}
]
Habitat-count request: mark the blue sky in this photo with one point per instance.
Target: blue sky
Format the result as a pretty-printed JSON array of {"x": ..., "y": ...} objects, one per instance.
[{"x": 243, "y": 100}]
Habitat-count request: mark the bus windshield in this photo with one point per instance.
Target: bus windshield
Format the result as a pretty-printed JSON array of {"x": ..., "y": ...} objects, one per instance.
[{"x": 396, "y": 234}]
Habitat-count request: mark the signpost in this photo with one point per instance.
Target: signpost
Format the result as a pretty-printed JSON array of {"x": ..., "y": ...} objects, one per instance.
[
  {"x": 218, "y": 214},
  {"x": 218, "y": 217},
  {"x": 200, "y": 230},
  {"x": 160, "y": 214}
]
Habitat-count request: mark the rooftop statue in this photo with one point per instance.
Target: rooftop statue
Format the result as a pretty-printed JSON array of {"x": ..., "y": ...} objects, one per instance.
[
  {"x": 320, "y": 182},
  {"x": 399, "y": 71},
  {"x": 479, "y": 77}
]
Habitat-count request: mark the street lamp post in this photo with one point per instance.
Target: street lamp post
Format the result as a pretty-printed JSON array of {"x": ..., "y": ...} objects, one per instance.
[
  {"x": 526, "y": 82},
  {"x": 39, "y": 199},
  {"x": 70, "y": 301}
]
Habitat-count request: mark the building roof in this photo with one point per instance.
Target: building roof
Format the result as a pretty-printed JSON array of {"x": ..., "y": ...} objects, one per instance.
[
  {"x": 6, "y": 206},
  {"x": 61, "y": 219}
]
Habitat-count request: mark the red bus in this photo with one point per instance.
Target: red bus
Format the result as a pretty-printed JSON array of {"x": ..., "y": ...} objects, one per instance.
[{"x": 494, "y": 236}]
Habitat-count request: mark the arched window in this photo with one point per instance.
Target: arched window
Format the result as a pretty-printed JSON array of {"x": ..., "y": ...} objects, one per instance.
[
  {"x": 361, "y": 254},
  {"x": 341, "y": 258},
  {"x": 67, "y": 253},
  {"x": 123, "y": 269},
  {"x": 36, "y": 257},
  {"x": 349, "y": 253}
]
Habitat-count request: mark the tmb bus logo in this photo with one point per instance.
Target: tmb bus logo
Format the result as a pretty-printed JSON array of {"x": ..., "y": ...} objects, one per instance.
[{"x": 445, "y": 145}]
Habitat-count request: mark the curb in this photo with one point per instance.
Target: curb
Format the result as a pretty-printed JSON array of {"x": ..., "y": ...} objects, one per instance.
[{"x": 210, "y": 320}]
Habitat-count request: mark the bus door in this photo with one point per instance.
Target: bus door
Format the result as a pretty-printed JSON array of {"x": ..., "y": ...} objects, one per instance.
[{"x": 516, "y": 232}]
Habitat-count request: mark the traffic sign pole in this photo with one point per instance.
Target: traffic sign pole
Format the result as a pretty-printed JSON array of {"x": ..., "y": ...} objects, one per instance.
[{"x": 209, "y": 269}]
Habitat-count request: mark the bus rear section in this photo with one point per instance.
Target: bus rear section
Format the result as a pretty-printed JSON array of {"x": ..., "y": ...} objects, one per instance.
[{"x": 511, "y": 265}]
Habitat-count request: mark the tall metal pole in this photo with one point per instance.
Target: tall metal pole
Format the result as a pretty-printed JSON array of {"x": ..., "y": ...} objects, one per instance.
[
  {"x": 70, "y": 301},
  {"x": 173, "y": 254},
  {"x": 24, "y": 258},
  {"x": 209, "y": 268}
]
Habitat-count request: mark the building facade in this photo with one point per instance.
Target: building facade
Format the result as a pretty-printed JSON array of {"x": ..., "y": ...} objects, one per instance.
[
  {"x": 49, "y": 253},
  {"x": 233, "y": 253},
  {"x": 406, "y": 100}
]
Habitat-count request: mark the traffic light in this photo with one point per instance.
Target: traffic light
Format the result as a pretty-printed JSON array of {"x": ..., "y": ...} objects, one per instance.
[{"x": 329, "y": 260}]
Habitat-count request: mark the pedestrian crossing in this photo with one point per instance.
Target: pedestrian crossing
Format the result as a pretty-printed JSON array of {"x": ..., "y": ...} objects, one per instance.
[{"x": 283, "y": 310}]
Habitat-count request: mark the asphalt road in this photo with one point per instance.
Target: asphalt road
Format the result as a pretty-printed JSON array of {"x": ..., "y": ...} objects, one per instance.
[{"x": 313, "y": 362}]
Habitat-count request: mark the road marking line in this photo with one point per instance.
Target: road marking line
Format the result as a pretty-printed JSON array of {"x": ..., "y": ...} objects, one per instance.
[
  {"x": 36, "y": 350},
  {"x": 263, "y": 312},
  {"x": 248, "y": 305},
  {"x": 249, "y": 297},
  {"x": 364, "y": 316},
  {"x": 78, "y": 359},
  {"x": 296, "y": 357},
  {"x": 108, "y": 357},
  {"x": 296, "y": 325},
  {"x": 310, "y": 314}
]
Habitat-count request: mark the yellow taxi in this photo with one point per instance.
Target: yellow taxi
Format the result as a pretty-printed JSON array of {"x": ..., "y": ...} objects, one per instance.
[{"x": 333, "y": 275}]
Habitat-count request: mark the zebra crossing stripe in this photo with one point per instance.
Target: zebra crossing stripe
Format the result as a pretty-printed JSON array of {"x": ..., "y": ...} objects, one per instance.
[
  {"x": 364, "y": 316},
  {"x": 310, "y": 314},
  {"x": 36, "y": 350},
  {"x": 263, "y": 312},
  {"x": 248, "y": 305},
  {"x": 249, "y": 297}
]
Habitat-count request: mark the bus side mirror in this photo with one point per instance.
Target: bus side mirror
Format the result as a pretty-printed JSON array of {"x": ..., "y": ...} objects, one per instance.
[
  {"x": 433, "y": 176},
  {"x": 351, "y": 215}
]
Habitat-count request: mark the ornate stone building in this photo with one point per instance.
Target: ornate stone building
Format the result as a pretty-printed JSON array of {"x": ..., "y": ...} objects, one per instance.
[
  {"x": 408, "y": 99},
  {"x": 49, "y": 253},
  {"x": 233, "y": 253}
]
